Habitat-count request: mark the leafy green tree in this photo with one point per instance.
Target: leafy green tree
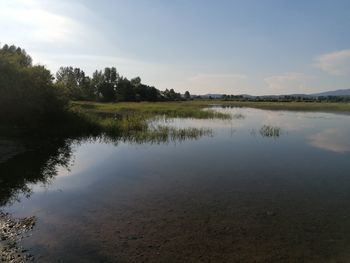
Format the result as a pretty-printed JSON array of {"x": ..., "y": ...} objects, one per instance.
[
  {"x": 75, "y": 83},
  {"x": 114, "y": 76},
  {"x": 187, "y": 95},
  {"x": 15, "y": 55},
  {"x": 125, "y": 90},
  {"x": 136, "y": 81},
  {"x": 171, "y": 95},
  {"x": 27, "y": 93},
  {"x": 105, "y": 83}
]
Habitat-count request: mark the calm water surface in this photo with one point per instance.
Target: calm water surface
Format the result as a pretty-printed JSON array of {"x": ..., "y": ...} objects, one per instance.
[{"x": 266, "y": 186}]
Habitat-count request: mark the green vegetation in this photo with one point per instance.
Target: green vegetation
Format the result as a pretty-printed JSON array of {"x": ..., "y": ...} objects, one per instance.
[
  {"x": 27, "y": 93},
  {"x": 109, "y": 86},
  {"x": 188, "y": 109},
  {"x": 132, "y": 120},
  {"x": 165, "y": 134},
  {"x": 287, "y": 98},
  {"x": 296, "y": 106},
  {"x": 31, "y": 102}
]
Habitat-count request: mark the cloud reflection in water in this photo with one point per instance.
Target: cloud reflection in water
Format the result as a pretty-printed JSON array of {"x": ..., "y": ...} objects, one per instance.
[{"x": 335, "y": 140}]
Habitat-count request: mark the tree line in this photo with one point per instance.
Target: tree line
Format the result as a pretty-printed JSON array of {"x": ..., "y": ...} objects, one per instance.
[
  {"x": 30, "y": 92},
  {"x": 109, "y": 86},
  {"x": 286, "y": 98}
]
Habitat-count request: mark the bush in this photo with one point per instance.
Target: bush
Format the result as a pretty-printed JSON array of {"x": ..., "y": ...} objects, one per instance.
[{"x": 27, "y": 92}]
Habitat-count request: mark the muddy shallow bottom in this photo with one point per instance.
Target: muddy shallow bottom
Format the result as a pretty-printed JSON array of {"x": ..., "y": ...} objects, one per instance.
[{"x": 240, "y": 195}]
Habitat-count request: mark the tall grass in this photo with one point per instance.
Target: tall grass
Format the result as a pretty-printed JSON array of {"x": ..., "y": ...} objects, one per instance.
[
  {"x": 132, "y": 121},
  {"x": 137, "y": 128},
  {"x": 148, "y": 110}
]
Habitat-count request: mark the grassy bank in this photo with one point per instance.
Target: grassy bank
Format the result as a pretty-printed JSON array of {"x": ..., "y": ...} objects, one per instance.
[
  {"x": 295, "y": 106},
  {"x": 193, "y": 109}
]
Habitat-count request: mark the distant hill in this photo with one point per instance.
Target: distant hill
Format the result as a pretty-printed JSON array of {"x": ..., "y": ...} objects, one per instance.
[{"x": 339, "y": 92}]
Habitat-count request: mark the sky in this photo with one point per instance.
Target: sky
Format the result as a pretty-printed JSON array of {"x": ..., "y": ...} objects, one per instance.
[{"x": 228, "y": 47}]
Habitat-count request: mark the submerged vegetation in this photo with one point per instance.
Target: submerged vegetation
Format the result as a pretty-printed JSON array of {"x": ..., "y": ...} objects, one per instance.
[
  {"x": 165, "y": 134},
  {"x": 270, "y": 131}
]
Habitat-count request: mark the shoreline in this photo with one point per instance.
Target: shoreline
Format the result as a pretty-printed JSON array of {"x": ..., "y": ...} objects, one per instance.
[
  {"x": 178, "y": 107},
  {"x": 12, "y": 230}
]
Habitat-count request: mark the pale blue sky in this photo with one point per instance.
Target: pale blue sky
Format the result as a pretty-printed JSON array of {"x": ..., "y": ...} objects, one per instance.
[{"x": 256, "y": 47}]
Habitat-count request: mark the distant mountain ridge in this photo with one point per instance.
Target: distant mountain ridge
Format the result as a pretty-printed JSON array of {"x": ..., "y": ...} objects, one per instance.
[{"x": 339, "y": 92}]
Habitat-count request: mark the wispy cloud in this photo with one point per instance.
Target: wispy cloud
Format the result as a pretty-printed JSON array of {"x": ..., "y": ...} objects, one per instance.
[
  {"x": 217, "y": 83},
  {"x": 29, "y": 21},
  {"x": 90, "y": 63},
  {"x": 225, "y": 77},
  {"x": 335, "y": 63},
  {"x": 290, "y": 82}
]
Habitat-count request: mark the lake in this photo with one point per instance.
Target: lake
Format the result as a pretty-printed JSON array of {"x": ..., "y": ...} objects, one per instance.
[{"x": 266, "y": 186}]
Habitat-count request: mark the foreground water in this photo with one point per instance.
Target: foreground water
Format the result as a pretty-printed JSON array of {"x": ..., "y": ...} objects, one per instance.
[{"x": 266, "y": 186}]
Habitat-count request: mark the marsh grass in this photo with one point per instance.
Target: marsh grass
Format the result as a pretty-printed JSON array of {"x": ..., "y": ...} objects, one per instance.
[
  {"x": 137, "y": 122},
  {"x": 148, "y": 110},
  {"x": 238, "y": 116},
  {"x": 165, "y": 134},
  {"x": 132, "y": 120},
  {"x": 138, "y": 128},
  {"x": 270, "y": 131}
]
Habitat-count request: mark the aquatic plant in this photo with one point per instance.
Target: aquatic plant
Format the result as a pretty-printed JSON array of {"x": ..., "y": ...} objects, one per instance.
[{"x": 270, "y": 131}]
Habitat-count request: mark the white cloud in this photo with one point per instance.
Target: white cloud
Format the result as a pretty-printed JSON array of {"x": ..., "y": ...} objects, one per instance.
[
  {"x": 26, "y": 20},
  {"x": 36, "y": 23},
  {"x": 291, "y": 82},
  {"x": 335, "y": 63}
]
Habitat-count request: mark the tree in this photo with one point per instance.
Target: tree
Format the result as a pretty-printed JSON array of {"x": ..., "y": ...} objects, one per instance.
[
  {"x": 136, "y": 81},
  {"x": 15, "y": 55},
  {"x": 27, "y": 93},
  {"x": 107, "y": 92},
  {"x": 105, "y": 84},
  {"x": 125, "y": 91},
  {"x": 187, "y": 95},
  {"x": 75, "y": 83}
]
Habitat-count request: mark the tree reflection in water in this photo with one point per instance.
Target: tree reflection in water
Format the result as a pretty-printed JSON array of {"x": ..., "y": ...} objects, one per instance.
[
  {"x": 39, "y": 159},
  {"x": 37, "y": 164}
]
